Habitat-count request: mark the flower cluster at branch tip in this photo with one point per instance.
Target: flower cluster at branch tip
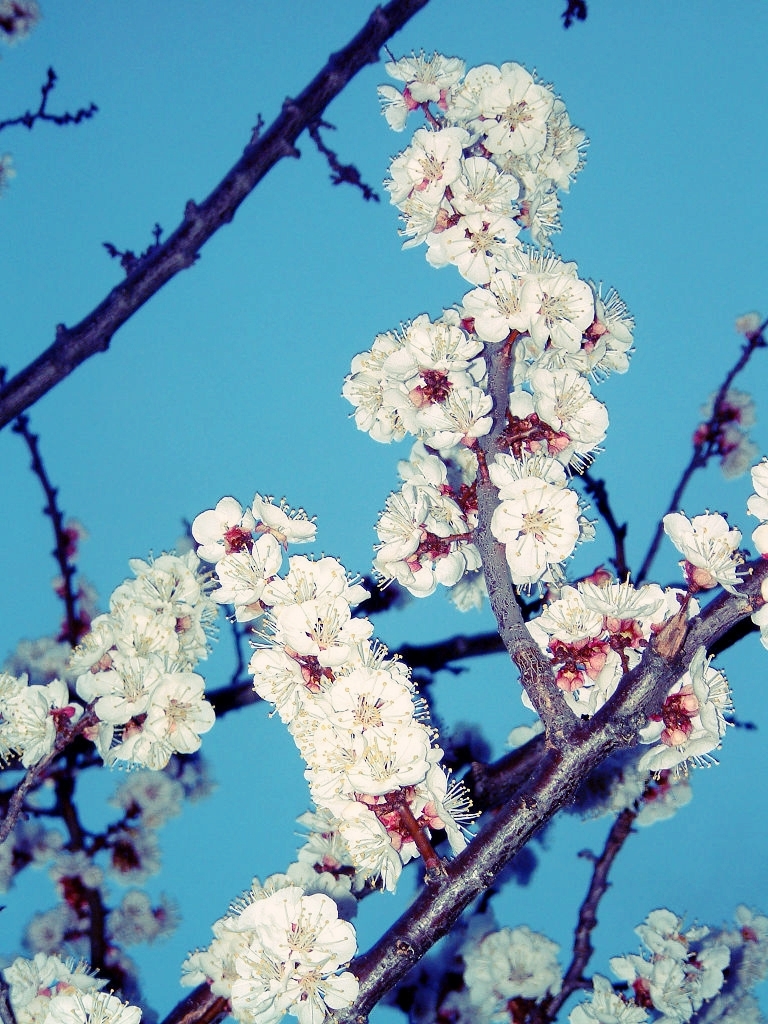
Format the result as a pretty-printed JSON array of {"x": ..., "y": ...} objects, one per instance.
[
  {"x": 497, "y": 148},
  {"x": 133, "y": 669},
  {"x": 135, "y": 665},
  {"x": 710, "y": 547},
  {"x": 372, "y": 764},
  {"x": 597, "y": 631},
  {"x": 283, "y": 948}
]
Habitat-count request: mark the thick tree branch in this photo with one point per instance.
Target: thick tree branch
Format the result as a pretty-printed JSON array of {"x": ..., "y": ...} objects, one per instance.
[
  {"x": 73, "y": 345},
  {"x": 541, "y": 781}
]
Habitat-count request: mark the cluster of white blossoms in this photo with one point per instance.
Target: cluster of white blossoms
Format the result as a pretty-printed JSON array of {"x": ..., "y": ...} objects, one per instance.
[
  {"x": 710, "y": 548},
  {"x": 500, "y": 147},
  {"x": 32, "y": 716},
  {"x": 511, "y": 963},
  {"x": 680, "y": 974},
  {"x": 279, "y": 950},
  {"x": 679, "y": 971},
  {"x": 371, "y": 761},
  {"x": 596, "y": 631},
  {"x": 497, "y": 148},
  {"x": 48, "y": 990},
  {"x": 135, "y": 665},
  {"x": 425, "y": 530}
]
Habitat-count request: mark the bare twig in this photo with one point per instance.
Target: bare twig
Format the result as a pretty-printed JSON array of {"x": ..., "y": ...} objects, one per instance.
[
  {"x": 575, "y": 10},
  {"x": 75, "y": 626},
  {"x": 66, "y": 808},
  {"x": 129, "y": 260},
  {"x": 597, "y": 490},
  {"x": 704, "y": 449},
  {"x": 73, "y": 345},
  {"x": 598, "y": 886},
  {"x": 341, "y": 174},
  {"x": 29, "y": 119}
]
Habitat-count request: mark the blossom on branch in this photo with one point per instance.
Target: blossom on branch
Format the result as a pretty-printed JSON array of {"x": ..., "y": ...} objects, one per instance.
[{"x": 710, "y": 548}]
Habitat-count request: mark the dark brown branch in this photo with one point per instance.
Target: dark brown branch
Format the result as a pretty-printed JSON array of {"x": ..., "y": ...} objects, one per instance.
[
  {"x": 575, "y": 10},
  {"x": 66, "y": 808},
  {"x": 704, "y": 449},
  {"x": 239, "y": 692},
  {"x": 597, "y": 490},
  {"x": 74, "y": 626},
  {"x": 341, "y": 174},
  {"x": 598, "y": 886},
  {"x": 551, "y": 777},
  {"x": 491, "y": 785},
  {"x": 200, "y": 1007},
  {"x": 29, "y": 119},
  {"x": 73, "y": 345},
  {"x": 436, "y": 656}
]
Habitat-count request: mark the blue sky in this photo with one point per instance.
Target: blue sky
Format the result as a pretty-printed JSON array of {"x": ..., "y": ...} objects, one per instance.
[{"x": 229, "y": 380}]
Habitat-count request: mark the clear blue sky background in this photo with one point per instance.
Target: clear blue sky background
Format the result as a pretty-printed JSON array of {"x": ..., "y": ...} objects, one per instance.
[{"x": 228, "y": 382}]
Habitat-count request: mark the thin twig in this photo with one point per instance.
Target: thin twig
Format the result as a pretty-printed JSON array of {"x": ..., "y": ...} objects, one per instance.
[
  {"x": 73, "y": 345},
  {"x": 67, "y": 809},
  {"x": 597, "y": 490},
  {"x": 38, "y": 772},
  {"x": 74, "y": 625},
  {"x": 341, "y": 174},
  {"x": 703, "y": 450},
  {"x": 575, "y": 10},
  {"x": 598, "y": 886},
  {"x": 29, "y": 119}
]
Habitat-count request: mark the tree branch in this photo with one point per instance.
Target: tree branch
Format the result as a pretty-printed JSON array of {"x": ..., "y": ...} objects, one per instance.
[
  {"x": 41, "y": 114},
  {"x": 544, "y": 780},
  {"x": 704, "y": 449},
  {"x": 535, "y": 670},
  {"x": 74, "y": 625},
  {"x": 597, "y": 490},
  {"x": 73, "y": 345},
  {"x": 7, "y": 1015},
  {"x": 38, "y": 772},
  {"x": 598, "y": 886}
]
